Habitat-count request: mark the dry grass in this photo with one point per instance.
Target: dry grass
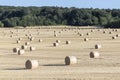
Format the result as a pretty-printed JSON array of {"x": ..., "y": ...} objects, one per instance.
[{"x": 51, "y": 59}]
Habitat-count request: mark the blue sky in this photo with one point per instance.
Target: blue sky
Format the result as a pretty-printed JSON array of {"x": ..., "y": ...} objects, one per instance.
[{"x": 64, "y": 3}]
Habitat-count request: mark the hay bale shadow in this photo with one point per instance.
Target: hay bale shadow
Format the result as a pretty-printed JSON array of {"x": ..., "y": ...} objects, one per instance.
[
  {"x": 54, "y": 65},
  {"x": 14, "y": 69},
  {"x": 89, "y": 48}
]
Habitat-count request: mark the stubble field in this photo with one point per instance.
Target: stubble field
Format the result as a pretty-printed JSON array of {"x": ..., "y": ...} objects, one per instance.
[{"x": 51, "y": 59}]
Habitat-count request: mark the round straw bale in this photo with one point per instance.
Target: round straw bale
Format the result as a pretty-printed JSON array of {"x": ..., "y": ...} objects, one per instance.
[
  {"x": 27, "y": 43},
  {"x": 104, "y": 32},
  {"x": 57, "y": 41},
  {"x": 117, "y": 35},
  {"x": 30, "y": 34},
  {"x": 20, "y": 52},
  {"x": 15, "y": 50},
  {"x": 97, "y": 46},
  {"x": 40, "y": 40},
  {"x": 110, "y": 32},
  {"x": 68, "y": 42},
  {"x": 32, "y": 38},
  {"x": 78, "y": 33},
  {"x": 23, "y": 47},
  {"x": 94, "y": 54},
  {"x": 32, "y": 48},
  {"x": 81, "y": 34},
  {"x": 26, "y": 34},
  {"x": 69, "y": 60},
  {"x": 31, "y": 64},
  {"x": 29, "y": 37},
  {"x": 116, "y": 30},
  {"x": 11, "y": 36},
  {"x": 75, "y": 31},
  {"x": 55, "y": 35},
  {"x": 60, "y": 32},
  {"x": 11, "y": 32},
  {"x": 19, "y": 38},
  {"x": 92, "y": 30},
  {"x": 86, "y": 39},
  {"x": 18, "y": 41},
  {"x": 54, "y": 31},
  {"x": 87, "y": 33},
  {"x": 113, "y": 37},
  {"x": 55, "y": 44},
  {"x": 99, "y": 30}
]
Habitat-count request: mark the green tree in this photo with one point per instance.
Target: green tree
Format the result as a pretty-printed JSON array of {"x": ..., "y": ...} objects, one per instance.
[
  {"x": 103, "y": 21},
  {"x": 12, "y": 22}
]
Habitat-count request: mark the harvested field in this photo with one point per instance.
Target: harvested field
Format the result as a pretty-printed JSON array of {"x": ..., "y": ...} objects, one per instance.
[{"x": 51, "y": 59}]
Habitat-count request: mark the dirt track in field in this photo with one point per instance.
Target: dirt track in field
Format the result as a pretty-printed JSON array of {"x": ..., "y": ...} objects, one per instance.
[{"x": 51, "y": 59}]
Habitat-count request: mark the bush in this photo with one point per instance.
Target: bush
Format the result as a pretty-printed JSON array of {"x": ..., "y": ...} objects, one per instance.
[
  {"x": 114, "y": 24},
  {"x": 1, "y": 24}
]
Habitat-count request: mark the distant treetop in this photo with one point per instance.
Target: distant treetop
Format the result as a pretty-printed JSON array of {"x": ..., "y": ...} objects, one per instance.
[{"x": 37, "y": 16}]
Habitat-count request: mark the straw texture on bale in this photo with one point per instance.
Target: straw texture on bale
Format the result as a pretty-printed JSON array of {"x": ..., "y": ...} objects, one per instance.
[
  {"x": 20, "y": 52},
  {"x": 32, "y": 48},
  {"x": 15, "y": 50},
  {"x": 31, "y": 64},
  {"x": 94, "y": 54},
  {"x": 97, "y": 46},
  {"x": 69, "y": 60}
]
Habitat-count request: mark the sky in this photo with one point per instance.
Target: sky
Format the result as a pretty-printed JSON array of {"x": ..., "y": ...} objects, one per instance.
[{"x": 64, "y": 3}]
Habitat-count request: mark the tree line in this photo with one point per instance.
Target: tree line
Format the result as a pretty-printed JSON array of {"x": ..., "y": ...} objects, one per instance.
[{"x": 11, "y": 16}]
